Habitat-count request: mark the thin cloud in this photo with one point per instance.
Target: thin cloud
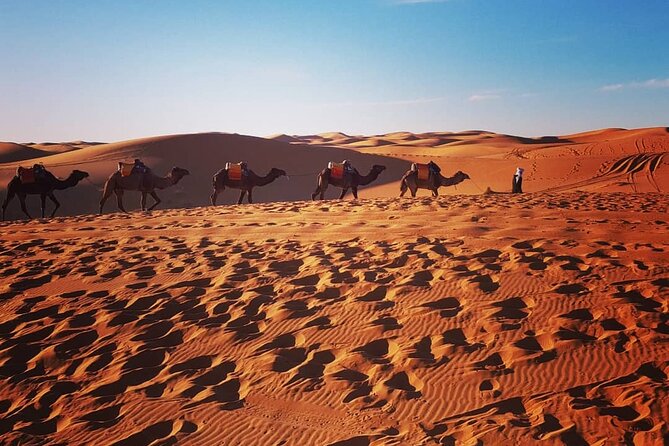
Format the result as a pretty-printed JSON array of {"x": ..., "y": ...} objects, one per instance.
[
  {"x": 652, "y": 83},
  {"x": 649, "y": 84},
  {"x": 612, "y": 87},
  {"x": 483, "y": 97}
]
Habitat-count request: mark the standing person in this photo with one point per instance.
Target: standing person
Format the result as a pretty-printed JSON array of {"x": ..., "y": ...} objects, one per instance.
[{"x": 517, "y": 185}]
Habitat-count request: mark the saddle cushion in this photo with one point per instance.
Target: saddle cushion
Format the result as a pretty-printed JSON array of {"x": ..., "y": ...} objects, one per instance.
[
  {"x": 126, "y": 169},
  {"x": 423, "y": 171},
  {"x": 26, "y": 175},
  {"x": 234, "y": 171},
  {"x": 336, "y": 170}
]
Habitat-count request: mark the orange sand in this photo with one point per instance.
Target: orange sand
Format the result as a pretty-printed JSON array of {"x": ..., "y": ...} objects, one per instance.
[{"x": 466, "y": 319}]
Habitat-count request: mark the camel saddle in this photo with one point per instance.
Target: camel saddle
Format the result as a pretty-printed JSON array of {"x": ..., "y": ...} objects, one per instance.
[
  {"x": 235, "y": 171},
  {"x": 336, "y": 170},
  {"x": 422, "y": 169},
  {"x": 126, "y": 168},
  {"x": 26, "y": 174}
]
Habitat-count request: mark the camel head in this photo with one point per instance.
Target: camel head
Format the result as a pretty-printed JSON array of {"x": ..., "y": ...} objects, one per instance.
[
  {"x": 178, "y": 172},
  {"x": 79, "y": 174},
  {"x": 461, "y": 175},
  {"x": 378, "y": 168},
  {"x": 277, "y": 172}
]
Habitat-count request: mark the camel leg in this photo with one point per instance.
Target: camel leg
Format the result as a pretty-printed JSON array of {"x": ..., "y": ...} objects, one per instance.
[
  {"x": 52, "y": 197},
  {"x": 43, "y": 203},
  {"x": 250, "y": 196},
  {"x": 413, "y": 188},
  {"x": 8, "y": 198},
  {"x": 22, "y": 200},
  {"x": 119, "y": 199},
  {"x": 156, "y": 200},
  {"x": 316, "y": 192},
  {"x": 214, "y": 196},
  {"x": 343, "y": 193},
  {"x": 323, "y": 187},
  {"x": 108, "y": 191},
  {"x": 435, "y": 192},
  {"x": 355, "y": 192},
  {"x": 142, "y": 201},
  {"x": 241, "y": 196},
  {"x": 403, "y": 188}
]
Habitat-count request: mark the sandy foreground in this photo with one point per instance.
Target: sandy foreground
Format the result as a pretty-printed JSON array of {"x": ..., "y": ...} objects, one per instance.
[
  {"x": 457, "y": 320},
  {"x": 466, "y": 319}
]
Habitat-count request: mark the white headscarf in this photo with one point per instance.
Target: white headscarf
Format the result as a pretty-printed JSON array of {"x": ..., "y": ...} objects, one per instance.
[{"x": 519, "y": 171}]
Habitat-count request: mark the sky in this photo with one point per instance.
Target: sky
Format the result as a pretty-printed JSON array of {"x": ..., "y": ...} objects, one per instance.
[{"x": 111, "y": 70}]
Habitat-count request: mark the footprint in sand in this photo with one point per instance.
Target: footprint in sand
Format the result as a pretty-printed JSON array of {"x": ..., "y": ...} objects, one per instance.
[
  {"x": 446, "y": 306},
  {"x": 511, "y": 312}
]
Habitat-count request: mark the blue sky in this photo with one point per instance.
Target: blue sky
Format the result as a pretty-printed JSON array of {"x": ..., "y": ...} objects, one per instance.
[{"x": 112, "y": 69}]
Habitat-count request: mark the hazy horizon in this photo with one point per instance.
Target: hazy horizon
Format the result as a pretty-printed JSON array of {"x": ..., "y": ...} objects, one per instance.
[{"x": 110, "y": 71}]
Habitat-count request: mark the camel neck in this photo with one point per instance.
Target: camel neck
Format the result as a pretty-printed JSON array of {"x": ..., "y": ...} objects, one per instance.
[
  {"x": 371, "y": 176},
  {"x": 68, "y": 182},
  {"x": 262, "y": 181},
  {"x": 163, "y": 182}
]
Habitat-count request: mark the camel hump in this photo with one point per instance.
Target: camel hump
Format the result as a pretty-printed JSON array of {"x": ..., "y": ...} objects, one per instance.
[
  {"x": 125, "y": 168},
  {"x": 26, "y": 174},
  {"x": 423, "y": 171},
  {"x": 337, "y": 170},
  {"x": 236, "y": 170}
]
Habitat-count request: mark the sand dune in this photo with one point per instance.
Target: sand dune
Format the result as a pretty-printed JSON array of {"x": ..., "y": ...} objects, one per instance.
[
  {"x": 610, "y": 160},
  {"x": 203, "y": 155},
  {"x": 461, "y": 320},
  {"x": 10, "y": 151},
  {"x": 53, "y": 147},
  {"x": 487, "y": 319}
]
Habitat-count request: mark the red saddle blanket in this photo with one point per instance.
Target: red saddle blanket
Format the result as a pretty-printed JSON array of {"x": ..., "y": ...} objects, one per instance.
[
  {"x": 26, "y": 175},
  {"x": 423, "y": 171},
  {"x": 125, "y": 169},
  {"x": 336, "y": 170},
  {"x": 234, "y": 171}
]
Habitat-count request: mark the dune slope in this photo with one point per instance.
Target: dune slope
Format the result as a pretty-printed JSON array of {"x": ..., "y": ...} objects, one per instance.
[
  {"x": 203, "y": 155},
  {"x": 608, "y": 160}
]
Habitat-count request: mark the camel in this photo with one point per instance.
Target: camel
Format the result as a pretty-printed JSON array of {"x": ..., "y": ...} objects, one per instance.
[
  {"x": 411, "y": 182},
  {"x": 117, "y": 184},
  {"x": 43, "y": 187},
  {"x": 350, "y": 180},
  {"x": 246, "y": 184}
]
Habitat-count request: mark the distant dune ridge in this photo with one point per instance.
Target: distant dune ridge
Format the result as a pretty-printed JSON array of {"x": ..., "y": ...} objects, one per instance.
[{"x": 579, "y": 161}]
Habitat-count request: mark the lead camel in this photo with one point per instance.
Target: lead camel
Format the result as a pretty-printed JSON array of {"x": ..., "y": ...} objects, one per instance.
[{"x": 44, "y": 187}]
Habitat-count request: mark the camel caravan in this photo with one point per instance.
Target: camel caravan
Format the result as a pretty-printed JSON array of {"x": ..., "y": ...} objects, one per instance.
[{"x": 136, "y": 176}]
